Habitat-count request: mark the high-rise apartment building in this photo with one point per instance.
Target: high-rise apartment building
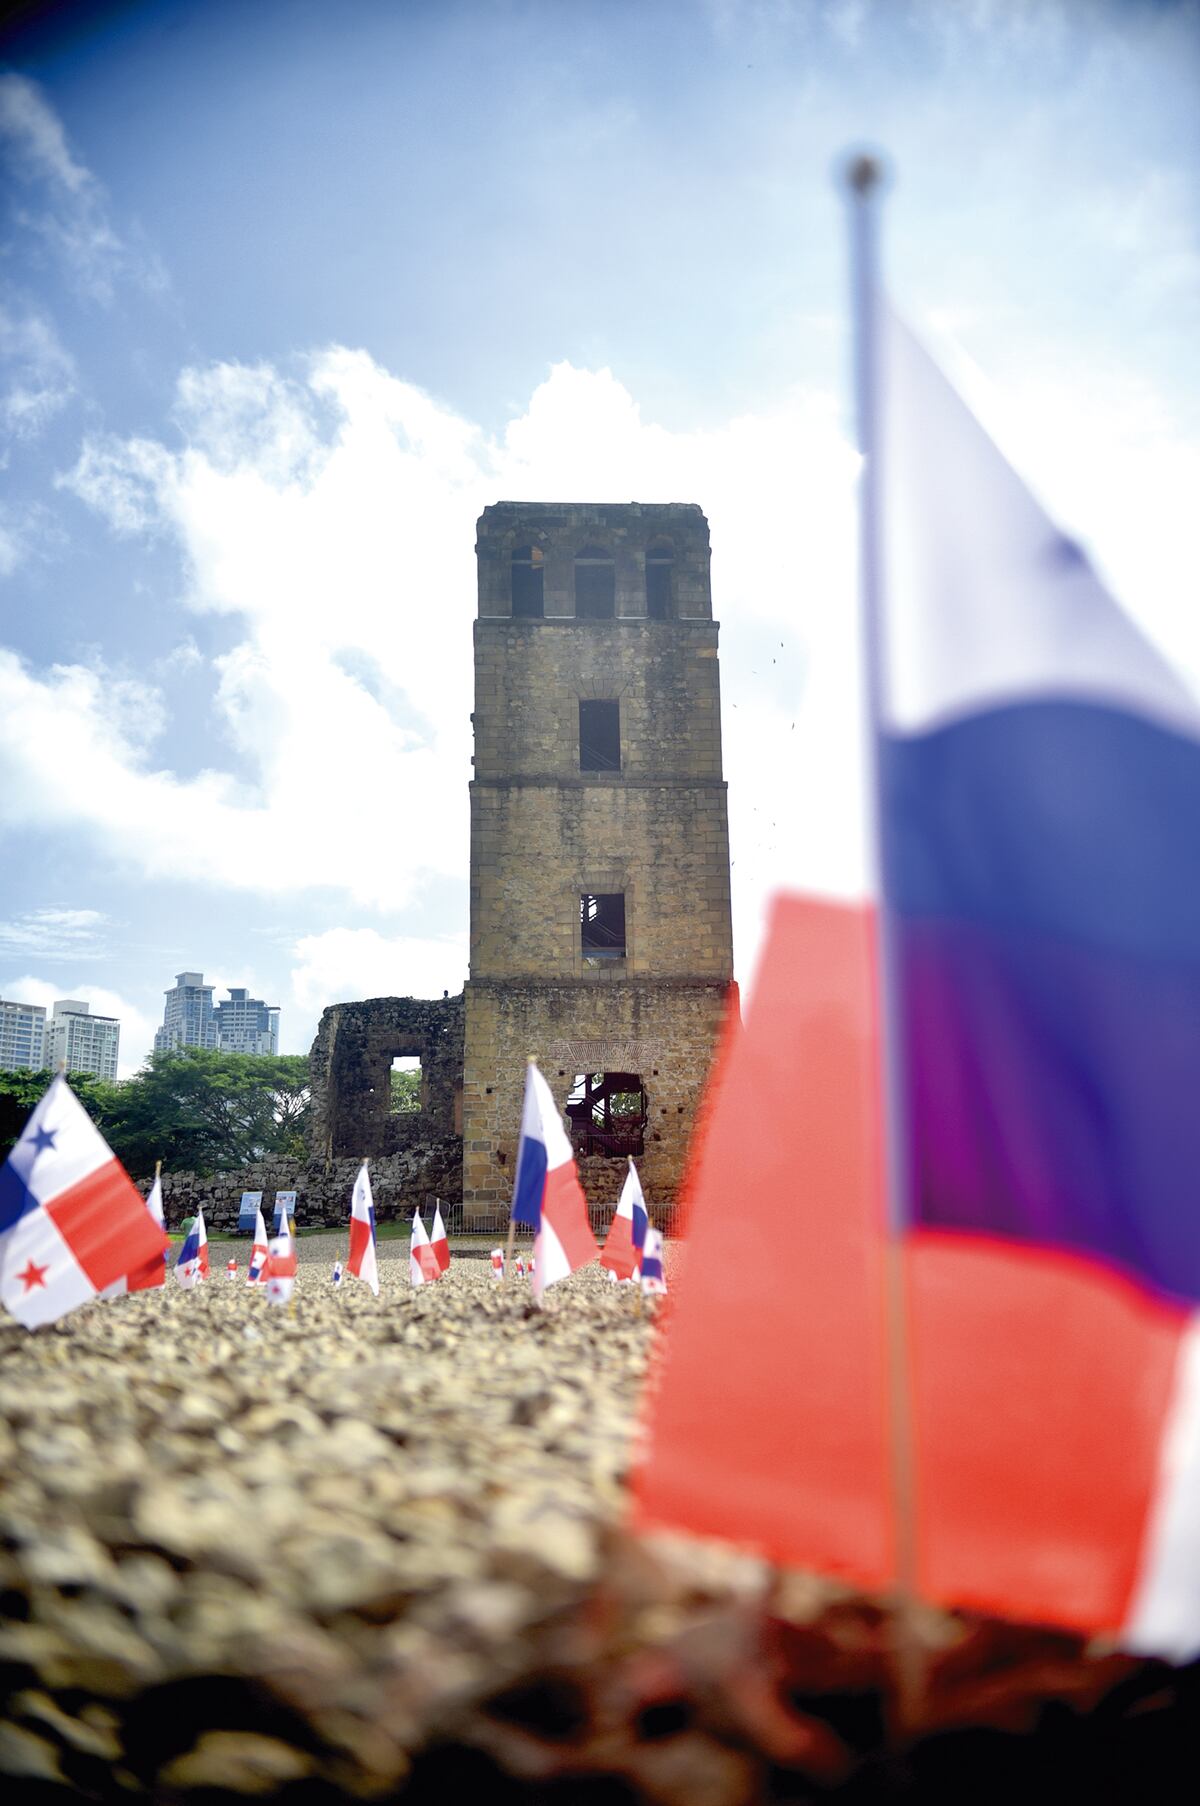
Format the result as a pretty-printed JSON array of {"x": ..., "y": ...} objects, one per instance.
[
  {"x": 189, "y": 1019},
  {"x": 80, "y": 1041},
  {"x": 246, "y": 1024},
  {"x": 22, "y": 1036},
  {"x": 238, "y": 1024}
]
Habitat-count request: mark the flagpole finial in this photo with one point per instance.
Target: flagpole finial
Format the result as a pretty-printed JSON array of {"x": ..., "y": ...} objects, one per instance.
[
  {"x": 864, "y": 172},
  {"x": 531, "y": 1059},
  {"x": 157, "y": 1169}
]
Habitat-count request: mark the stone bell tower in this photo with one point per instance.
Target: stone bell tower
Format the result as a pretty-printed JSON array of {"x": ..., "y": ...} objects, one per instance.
[{"x": 600, "y": 924}]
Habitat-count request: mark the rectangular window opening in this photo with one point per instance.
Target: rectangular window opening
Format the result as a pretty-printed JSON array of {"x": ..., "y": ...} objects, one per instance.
[
  {"x": 405, "y": 1096},
  {"x": 602, "y": 927},
  {"x": 599, "y": 736},
  {"x": 607, "y": 1113}
]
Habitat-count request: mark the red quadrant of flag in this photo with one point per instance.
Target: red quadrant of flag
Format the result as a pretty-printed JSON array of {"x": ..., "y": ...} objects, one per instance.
[
  {"x": 104, "y": 1221},
  {"x": 1041, "y": 1384},
  {"x": 564, "y": 1207},
  {"x": 767, "y": 1422}
]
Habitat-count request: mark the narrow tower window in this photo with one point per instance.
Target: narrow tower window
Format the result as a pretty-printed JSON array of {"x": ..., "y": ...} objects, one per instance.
[
  {"x": 659, "y": 561},
  {"x": 527, "y": 600},
  {"x": 602, "y": 927},
  {"x": 595, "y": 585},
  {"x": 599, "y": 736}
]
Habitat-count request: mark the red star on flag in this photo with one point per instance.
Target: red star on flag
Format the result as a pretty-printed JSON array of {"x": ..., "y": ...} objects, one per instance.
[{"x": 34, "y": 1276}]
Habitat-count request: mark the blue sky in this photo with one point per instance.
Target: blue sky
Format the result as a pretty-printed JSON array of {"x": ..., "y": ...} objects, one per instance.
[{"x": 289, "y": 292}]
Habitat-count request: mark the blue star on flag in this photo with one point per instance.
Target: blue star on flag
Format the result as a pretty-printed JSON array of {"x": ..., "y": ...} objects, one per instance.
[{"x": 42, "y": 1139}]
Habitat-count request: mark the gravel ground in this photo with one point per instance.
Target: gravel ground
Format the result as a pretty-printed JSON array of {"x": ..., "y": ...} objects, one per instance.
[{"x": 360, "y": 1548}]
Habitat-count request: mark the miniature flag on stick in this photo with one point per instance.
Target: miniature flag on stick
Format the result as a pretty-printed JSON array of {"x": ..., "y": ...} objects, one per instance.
[
  {"x": 362, "y": 1262},
  {"x": 1024, "y": 1287},
  {"x": 438, "y": 1241},
  {"x": 71, "y": 1220},
  {"x": 256, "y": 1272},
  {"x": 337, "y": 1273},
  {"x": 192, "y": 1265},
  {"x": 547, "y": 1194},
  {"x": 654, "y": 1278},
  {"x": 281, "y": 1269},
  {"x": 627, "y": 1232},
  {"x": 497, "y": 1263},
  {"x": 422, "y": 1261},
  {"x": 231, "y": 1267}
]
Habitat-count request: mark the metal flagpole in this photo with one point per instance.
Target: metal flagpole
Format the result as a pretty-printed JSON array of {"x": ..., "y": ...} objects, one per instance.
[{"x": 864, "y": 178}]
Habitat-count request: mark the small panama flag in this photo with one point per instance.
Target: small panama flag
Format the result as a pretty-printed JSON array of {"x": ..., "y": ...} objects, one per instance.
[
  {"x": 547, "y": 1194},
  {"x": 192, "y": 1265},
  {"x": 362, "y": 1262},
  {"x": 497, "y": 1263},
  {"x": 520, "y": 1268},
  {"x": 231, "y": 1267},
  {"x": 281, "y": 1269},
  {"x": 337, "y": 1273},
  {"x": 627, "y": 1232},
  {"x": 154, "y": 1273},
  {"x": 438, "y": 1241},
  {"x": 422, "y": 1261},
  {"x": 256, "y": 1273},
  {"x": 71, "y": 1220},
  {"x": 654, "y": 1278}
]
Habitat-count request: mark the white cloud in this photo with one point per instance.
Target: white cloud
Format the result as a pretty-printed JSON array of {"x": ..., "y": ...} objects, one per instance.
[
  {"x": 36, "y": 373},
  {"x": 72, "y": 218},
  {"x": 137, "y": 1030},
  {"x": 345, "y": 964},
  {"x": 331, "y": 518},
  {"x": 65, "y": 933}
]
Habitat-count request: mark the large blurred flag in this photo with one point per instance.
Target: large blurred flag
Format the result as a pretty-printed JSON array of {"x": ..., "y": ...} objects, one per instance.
[
  {"x": 1040, "y": 828},
  {"x": 547, "y": 1195},
  {"x": 154, "y": 1271},
  {"x": 71, "y": 1221},
  {"x": 627, "y": 1232},
  {"x": 192, "y": 1265},
  {"x": 362, "y": 1261}
]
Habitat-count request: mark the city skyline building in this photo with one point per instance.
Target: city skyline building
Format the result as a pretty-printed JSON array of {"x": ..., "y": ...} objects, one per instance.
[
  {"x": 238, "y": 1024},
  {"x": 80, "y": 1042},
  {"x": 22, "y": 1036},
  {"x": 189, "y": 1019},
  {"x": 246, "y": 1024}
]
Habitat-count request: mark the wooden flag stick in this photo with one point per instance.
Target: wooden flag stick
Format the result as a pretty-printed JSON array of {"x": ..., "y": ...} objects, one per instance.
[{"x": 864, "y": 179}]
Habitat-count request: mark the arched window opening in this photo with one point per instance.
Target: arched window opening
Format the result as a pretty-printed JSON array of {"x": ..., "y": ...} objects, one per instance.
[
  {"x": 607, "y": 1113},
  {"x": 595, "y": 585},
  {"x": 660, "y": 560},
  {"x": 528, "y": 602}
]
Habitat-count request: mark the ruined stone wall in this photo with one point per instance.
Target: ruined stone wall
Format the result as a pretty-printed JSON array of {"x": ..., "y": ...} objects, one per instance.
[
  {"x": 350, "y": 1067},
  {"x": 399, "y": 1183},
  {"x": 663, "y": 1030}
]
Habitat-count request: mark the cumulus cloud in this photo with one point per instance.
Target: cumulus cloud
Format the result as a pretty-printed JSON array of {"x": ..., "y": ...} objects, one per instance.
[{"x": 329, "y": 514}]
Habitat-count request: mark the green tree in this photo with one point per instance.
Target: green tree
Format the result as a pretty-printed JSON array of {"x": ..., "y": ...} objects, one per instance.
[
  {"x": 406, "y": 1091},
  {"x": 195, "y": 1110}
]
